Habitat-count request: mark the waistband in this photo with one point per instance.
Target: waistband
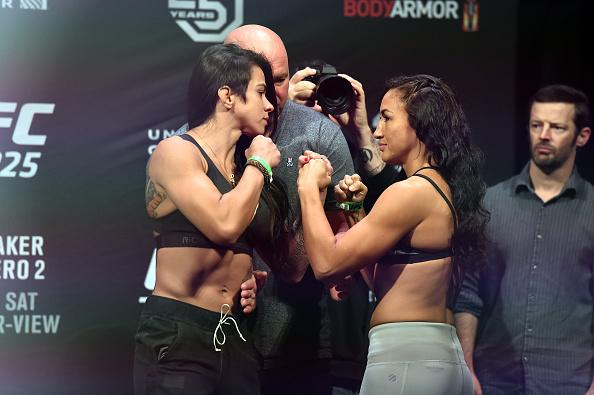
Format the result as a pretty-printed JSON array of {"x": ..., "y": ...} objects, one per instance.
[
  {"x": 188, "y": 313},
  {"x": 414, "y": 341}
]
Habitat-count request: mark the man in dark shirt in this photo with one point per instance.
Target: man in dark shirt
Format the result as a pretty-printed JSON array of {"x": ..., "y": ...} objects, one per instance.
[{"x": 525, "y": 320}]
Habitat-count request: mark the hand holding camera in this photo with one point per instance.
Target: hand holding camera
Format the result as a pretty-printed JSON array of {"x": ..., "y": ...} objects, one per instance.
[
  {"x": 324, "y": 90},
  {"x": 302, "y": 90}
]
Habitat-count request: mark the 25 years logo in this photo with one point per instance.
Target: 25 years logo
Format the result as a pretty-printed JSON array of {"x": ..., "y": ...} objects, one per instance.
[
  {"x": 21, "y": 163},
  {"x": 207, "y": 20}
]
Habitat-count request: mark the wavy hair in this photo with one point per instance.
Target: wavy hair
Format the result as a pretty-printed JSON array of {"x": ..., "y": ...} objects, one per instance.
[{"x": 440, "y": 123}]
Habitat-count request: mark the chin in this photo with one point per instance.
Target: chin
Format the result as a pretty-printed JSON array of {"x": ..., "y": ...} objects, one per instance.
[
  {"x": 252, "y": 133},
  {"x": 390, "y": 160}
]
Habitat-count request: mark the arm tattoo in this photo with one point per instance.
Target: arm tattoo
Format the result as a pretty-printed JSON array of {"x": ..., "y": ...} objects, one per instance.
[
  {"x": 371, "y": 157},
  {"x": 153, "y": 198},
  {"x": 376, "y": 170},
  {"x": 366, "y": 154}
]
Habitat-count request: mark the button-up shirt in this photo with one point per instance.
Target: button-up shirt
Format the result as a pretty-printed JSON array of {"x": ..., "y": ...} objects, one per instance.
[{"x": 534, "y": 297}]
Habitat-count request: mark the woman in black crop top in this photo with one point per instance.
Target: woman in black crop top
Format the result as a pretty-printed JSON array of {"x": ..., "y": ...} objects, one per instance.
[
  {"x": 213, "y": 199},
  {"x": 416, "y": 241}
]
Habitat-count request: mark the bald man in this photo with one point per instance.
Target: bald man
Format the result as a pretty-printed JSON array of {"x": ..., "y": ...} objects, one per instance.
[{"x": 263, "y": 40}]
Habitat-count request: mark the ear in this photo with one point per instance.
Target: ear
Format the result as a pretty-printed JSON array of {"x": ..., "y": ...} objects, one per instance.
[
  {"x": 583, "y": 137},
  {"x": 226, "y": 96}
]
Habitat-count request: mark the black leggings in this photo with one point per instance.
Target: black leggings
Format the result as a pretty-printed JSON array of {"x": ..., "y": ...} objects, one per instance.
[{"x": 175, "y": 354}]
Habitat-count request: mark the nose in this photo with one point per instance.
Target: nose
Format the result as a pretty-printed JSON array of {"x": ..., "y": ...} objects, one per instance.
[
  {"x": 545, "y": 133},
  {"x": 268, "y": 107},
  {"x": 378, "y": 134}
]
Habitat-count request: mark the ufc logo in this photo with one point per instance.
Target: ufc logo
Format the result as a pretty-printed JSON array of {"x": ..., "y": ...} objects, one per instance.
[{"x": 24, "y": 118}]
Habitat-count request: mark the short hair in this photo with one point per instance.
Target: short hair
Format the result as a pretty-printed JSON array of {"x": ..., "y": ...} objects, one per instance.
[
  {"x": 566, "y": 94},
  {"x": 220, "y": 65}
]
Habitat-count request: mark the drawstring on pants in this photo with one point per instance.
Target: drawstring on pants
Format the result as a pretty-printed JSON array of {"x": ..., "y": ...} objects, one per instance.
[{"x": 225, "y": 318}]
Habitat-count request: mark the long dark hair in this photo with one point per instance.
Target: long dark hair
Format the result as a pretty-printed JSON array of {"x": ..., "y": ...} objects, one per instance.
[
  {"x": 230, "y": 65},
  {"x": 439, "y": 121}
]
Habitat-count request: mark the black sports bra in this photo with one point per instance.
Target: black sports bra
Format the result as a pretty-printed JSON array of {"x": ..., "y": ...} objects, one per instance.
[
  {"x": 175, "y": 230},
  {"x": 403, "y": 253}
]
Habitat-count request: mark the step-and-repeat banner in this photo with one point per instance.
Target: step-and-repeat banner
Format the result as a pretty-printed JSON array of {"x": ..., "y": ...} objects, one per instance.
[{"x": 88, "y": 88}]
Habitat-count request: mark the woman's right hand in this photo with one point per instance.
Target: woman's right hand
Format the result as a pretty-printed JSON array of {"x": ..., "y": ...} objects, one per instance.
[
  {"x": 264, "y": 148},
  {"x": 350, "y": 189}
]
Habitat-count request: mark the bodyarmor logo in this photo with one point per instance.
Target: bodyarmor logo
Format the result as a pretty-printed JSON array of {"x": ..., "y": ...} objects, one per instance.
[{"x": 207, "y": 20}]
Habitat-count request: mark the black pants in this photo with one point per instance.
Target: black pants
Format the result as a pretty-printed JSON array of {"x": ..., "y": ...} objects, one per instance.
[{"x": 175, "y": 354}]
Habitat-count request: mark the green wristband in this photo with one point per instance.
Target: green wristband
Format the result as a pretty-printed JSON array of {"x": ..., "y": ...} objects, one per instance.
[
  {"x": 263, "y": 162},
  {"x": 263, "y": 166},
  {"x": 350, "y": 206}
]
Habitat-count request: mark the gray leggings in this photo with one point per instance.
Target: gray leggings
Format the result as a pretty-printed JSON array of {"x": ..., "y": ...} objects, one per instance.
[{"x": 410, "y": 358}]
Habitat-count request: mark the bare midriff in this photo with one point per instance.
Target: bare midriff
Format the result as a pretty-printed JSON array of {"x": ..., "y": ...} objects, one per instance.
[
  {"x": 203, "y": 277},
  {"x": 412, "y": 292}
]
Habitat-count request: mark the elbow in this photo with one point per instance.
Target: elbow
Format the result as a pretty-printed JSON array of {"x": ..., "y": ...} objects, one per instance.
[
  {"x": 323, "y": 273},
  {"x": 324, "y": 269},
  {"x": 225, "y": 236}
]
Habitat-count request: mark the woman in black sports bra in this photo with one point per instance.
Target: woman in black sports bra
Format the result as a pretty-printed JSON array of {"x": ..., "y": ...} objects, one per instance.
[
  {"x": 414, "y": 244},
  {"x": 213, "y": 199}
]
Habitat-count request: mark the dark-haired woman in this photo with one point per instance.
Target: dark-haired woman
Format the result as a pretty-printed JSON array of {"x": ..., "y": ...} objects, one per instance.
[
  {"x": 415, "y": 242},
  {"x": 213, "y": 199}
]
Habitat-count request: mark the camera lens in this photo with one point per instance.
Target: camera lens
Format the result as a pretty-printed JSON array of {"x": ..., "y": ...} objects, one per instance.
[{"x": 335, "y": 94}]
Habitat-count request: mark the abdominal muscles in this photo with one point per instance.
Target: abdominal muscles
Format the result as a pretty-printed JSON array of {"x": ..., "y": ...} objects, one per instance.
[{"x": 204, "y": 277}]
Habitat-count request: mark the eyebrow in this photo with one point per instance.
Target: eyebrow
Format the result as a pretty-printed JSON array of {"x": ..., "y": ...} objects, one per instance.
[
  {"x": 557, "y": 124},
  {"x": 385, "y": 111},
  {"x": 280, "y": 77}
]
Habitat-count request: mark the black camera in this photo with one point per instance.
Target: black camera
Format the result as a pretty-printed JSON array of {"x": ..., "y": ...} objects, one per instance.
[{"x": 333, "y": 93}]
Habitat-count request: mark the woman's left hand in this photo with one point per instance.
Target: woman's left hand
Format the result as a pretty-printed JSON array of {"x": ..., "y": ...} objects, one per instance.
[
  {"x": 341, "y": 290},
  {"x": 350, "y": 189},
  {"x": 249, "y": 290}
]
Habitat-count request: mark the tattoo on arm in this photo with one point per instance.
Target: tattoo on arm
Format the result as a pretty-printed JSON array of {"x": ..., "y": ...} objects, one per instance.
[
  {"x": 366, "y": 154},
  {"x": 371, "y": 157},
  {"x": 377, "y": 169},
  {"x": 153, "y": 198}
]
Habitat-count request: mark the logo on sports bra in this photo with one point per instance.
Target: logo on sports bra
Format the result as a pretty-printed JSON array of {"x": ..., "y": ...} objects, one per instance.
[{"x": 189, "y": 241}]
